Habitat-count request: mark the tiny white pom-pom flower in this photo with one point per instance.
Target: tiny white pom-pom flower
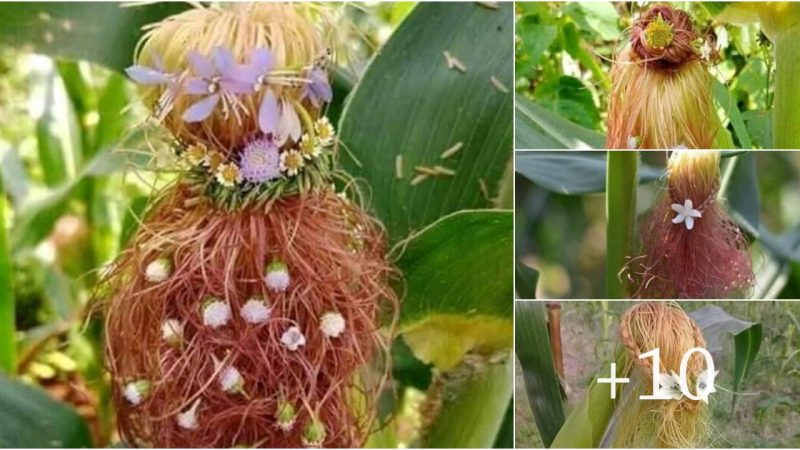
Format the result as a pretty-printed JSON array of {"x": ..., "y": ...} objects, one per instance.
[
  {"x": 255, "y": 311},
  {"x": 277, "y": 277},
  {"x": 136, "y": 391},
  {"x": 230, "y": 380},
  {"x": 188, "y": 419},
  {"x": 172, "y": 331},
  {"x": 293, "y": 338},
  {"x": 632, "y": 142},
  {"x": 158, "y": 271},
  {"x": 332, "y": 324},
  {"x": 216, "y": 313}
]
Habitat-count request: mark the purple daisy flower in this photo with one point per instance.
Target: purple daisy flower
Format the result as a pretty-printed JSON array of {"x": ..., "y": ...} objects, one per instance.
[
  {"x": 214, "y": 80},
  {"x": 317, "y": 89},
  {"x": 155, "y": 76},
  {"x": 260, "y": 161}
]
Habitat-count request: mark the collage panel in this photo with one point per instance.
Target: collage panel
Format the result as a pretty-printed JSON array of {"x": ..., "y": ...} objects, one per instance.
[
  {"x": 656, "y": 75},
  {"x": 693, "y": 224},
  {"x": 725, "y": 374}
]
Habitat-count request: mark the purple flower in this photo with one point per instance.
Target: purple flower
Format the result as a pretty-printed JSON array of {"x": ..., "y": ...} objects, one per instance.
[
  {"x": 155, "y": 76},
  {"x": 278, "y": 119},
  {"x": 214, "y": 80},
  {"x": 317, "y": 89},
  {"x": 260, "y": 161},
  {"x": 255, "y": 73}
]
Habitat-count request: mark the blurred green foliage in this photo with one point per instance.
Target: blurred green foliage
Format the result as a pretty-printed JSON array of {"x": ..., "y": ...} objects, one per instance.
[{"x": 564, "y": 52}]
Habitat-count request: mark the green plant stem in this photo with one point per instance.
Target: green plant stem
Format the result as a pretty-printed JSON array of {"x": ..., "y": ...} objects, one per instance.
[
  {"x": 621, "y": 181},
  {"x": 786, "y": 126},
  {"x": 8, "y": 347}
]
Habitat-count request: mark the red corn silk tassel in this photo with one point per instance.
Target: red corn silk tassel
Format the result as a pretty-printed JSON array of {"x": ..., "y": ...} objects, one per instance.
[
  {"x": 253, "y": 307},
  {"x": 691, "y": 248}
]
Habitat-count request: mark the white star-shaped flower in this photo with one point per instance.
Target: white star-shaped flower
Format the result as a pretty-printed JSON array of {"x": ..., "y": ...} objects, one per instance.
[
  {"x": 188, "y": 419},
  {"x": 705, "y": 51},
  {"x": 293, "y": 338},
  {"x": 705, "y": 384},
  {"x": 686, "y": 213},
  {"x": 669, "y": 387}
]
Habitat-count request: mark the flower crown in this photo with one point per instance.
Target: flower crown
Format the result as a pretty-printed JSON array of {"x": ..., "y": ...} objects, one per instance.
[{"x": 248, "y": 129}]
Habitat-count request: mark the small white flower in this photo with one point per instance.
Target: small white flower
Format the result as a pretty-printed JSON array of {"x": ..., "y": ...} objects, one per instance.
[
  {"x": 633, "y": 142},
  {"x": 669, "y": 387},
  {"x": 680, "y": 147},
  {"x": 172, "y": 331},
  {"x": 686, "y": 213},
  {"x": 705, "y": 51},
  {"x": 158, "y": 271},
  {"x": 325, "y": 132},
  {"x": 188, "y": 419},
  {"x": 216, "y": 313},
  {"x": 705, "y": 385},
  {"x": 136, "y": 391},
  {"x": 332, "y": 324},
  {"x": 293, "y": 338},
  {"x": 277, "y": 277},
  {"x": 230, "y": 380},
  {"x": 255, "y": 311}
]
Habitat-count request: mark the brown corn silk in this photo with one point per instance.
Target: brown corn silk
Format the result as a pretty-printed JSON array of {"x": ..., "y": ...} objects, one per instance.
[
  {"x": 336, "y": 258},
  {"x": 712, "y": 260},
  {"x": 659, "y": 423},
  {"x": 661, "y": 96}
]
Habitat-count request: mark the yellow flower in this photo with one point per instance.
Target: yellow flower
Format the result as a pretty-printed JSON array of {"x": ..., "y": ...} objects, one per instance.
[
  {"x": 195, "y": 154},
  {"x": 325, "y": 131},
  {"x": 228, "y": 175},
  {"x": 214, "y": 159},
  {"x": 309, "y": 147},
  {"x": 292, "y": 162}
]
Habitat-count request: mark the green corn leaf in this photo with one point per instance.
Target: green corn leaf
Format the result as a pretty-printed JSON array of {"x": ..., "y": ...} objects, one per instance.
[
  {"x": 102, "y": 32},
  {"x": 473, "y": 408},
  {"x": 526, "y": 279},
  {"x": 587, "y": 423},
  {"x": 747, "y": 344},
  {"x": 621, "y": 185},
  {"x": 718, "y": 325},
  {"x": 573, "y": 173},
  {"x": 538, "y": 128},
  {"x": 410, "y": 105},
  {"x": 536, "y": 358},
  {"x": 8, "y": 345},
  {"x": 458, "y": 283},
  {"x": 29, "y": 418}
]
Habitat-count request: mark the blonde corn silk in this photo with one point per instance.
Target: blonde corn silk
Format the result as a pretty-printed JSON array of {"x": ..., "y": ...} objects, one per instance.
[
  {"x": 675, "y": 423},
  {"x": 661, "y": 87},
  {"x": 228, "y": 339}
]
